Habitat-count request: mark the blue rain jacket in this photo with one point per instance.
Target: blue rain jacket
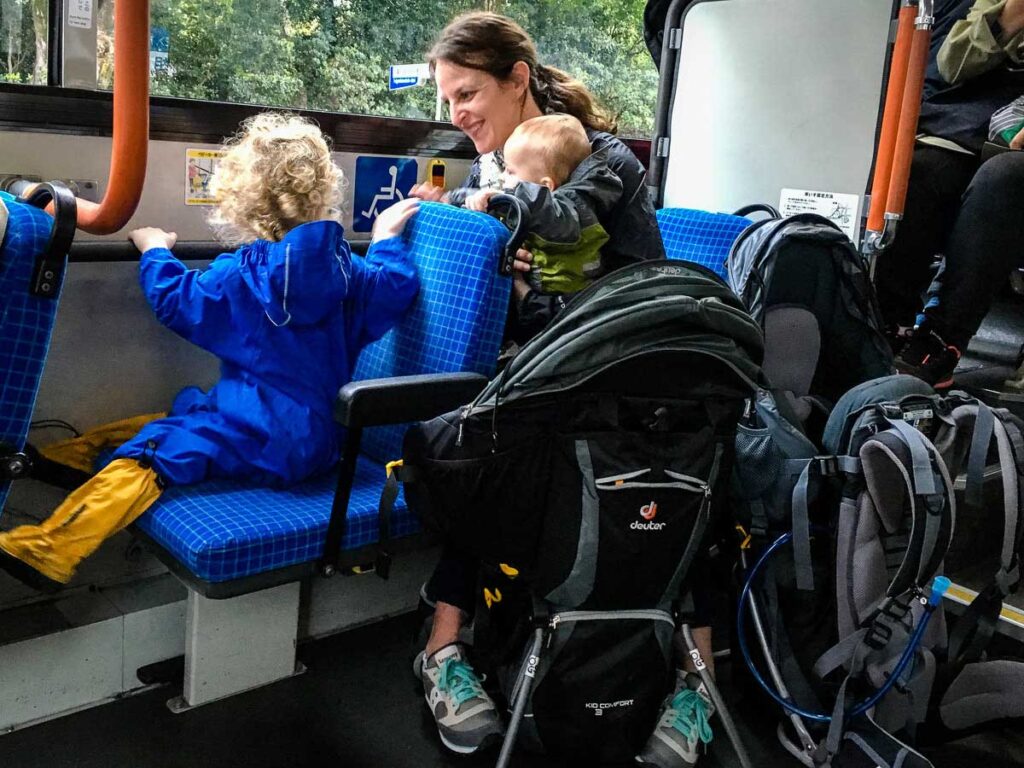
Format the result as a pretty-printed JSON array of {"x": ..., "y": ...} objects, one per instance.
[{"x": 287, "y": 321}]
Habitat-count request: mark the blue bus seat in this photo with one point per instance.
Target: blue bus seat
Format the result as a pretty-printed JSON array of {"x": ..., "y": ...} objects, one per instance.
[
  {"x": 699, "y": 236},
  {"x": 26, "y": 321},
  {"x": 223, "y": 536}
]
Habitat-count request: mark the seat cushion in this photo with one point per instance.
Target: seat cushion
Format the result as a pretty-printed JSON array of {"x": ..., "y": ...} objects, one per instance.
[
  {"x": 224, "y": 530},
  {"x": 699, "y": 236},
  {"x": 456, "y": 322},
  {"x": 26, "y": 322}
]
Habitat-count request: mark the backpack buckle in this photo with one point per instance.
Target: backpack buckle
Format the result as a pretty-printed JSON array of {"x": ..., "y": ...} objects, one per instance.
[
  {"x": 891, "y": 614},
  {"x": 828, "y": 466}
]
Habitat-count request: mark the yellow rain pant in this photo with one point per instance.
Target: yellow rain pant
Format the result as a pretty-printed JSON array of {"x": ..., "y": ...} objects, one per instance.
[
  {"x": 97, "y": 510},
  {"x": 81, "y": 452}
]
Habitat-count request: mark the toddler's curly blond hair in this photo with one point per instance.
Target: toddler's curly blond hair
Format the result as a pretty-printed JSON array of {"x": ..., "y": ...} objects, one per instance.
[{"x": 277, "y": 174}]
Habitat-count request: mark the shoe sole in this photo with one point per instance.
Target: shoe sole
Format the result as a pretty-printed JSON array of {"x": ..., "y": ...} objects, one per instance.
[{"x": 28, "y": 575}]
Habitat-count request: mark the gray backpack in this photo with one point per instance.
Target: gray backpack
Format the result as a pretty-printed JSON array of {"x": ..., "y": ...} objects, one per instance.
[{"x": 845, "y": 597}]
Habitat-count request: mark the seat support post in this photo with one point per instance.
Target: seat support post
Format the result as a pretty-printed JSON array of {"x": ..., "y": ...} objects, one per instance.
[{"x": 238, "y": 644}]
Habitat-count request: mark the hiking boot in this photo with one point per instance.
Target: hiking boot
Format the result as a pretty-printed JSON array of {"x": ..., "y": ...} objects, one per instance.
[
  {"x": 683, "y": 726},
  {"x": 466, "y": 718},
  {"x": 928, "y": 357}
]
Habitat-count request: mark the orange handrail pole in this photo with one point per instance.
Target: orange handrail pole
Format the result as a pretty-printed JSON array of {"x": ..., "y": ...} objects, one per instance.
[
  {"x": 131, "y": 123},
  {"x": 907, "y": 135},
  {"x": 890, "y": 118}
]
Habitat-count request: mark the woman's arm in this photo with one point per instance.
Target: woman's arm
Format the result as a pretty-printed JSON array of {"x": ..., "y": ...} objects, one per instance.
[{"x": 991, "y": 34}]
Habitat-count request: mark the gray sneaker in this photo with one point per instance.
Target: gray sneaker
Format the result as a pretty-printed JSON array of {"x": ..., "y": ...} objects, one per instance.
[
  {"x": 683, "y": 726},
  {"x": 467, "y": 719}
]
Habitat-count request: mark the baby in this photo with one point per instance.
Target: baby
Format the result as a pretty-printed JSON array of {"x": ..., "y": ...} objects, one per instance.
[{"x": 567, "y": 188}]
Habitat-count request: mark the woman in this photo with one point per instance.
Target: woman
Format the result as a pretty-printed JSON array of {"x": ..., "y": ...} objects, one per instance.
[{"x": 486, "y": 68}]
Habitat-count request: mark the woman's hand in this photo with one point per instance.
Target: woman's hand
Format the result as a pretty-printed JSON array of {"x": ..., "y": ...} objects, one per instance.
[
  {"x": 391, "y": 221},
  {"x": 521, "y": 264},
  {"x": 523, "y": 261},
  {"x": 430, "y": 193},
  {"x": 147, "y": 238}
]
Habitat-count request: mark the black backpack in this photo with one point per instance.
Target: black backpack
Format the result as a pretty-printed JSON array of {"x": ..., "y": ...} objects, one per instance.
[
  {"x": 585, "y": 477},
  {"x": 807, "y": 286}
]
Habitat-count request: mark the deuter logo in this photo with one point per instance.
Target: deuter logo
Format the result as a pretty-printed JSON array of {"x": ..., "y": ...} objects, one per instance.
[
  {"x": 648, "y": 512},
  {"x": 598, "y": 707}
]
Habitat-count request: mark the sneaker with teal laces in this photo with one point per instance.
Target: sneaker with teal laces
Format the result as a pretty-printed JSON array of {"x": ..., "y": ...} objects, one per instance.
[
  {"x": 466, "y": 717},
  {"x": 683, "y": 727}
]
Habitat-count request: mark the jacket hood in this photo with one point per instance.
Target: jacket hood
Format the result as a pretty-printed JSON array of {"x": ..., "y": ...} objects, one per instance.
[{"x": 301, "y": 279}]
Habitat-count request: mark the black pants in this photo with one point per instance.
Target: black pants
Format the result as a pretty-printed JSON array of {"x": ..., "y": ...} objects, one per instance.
[
  {"x": 454, "y": 582},
  {"x": 972, "y": 214}
]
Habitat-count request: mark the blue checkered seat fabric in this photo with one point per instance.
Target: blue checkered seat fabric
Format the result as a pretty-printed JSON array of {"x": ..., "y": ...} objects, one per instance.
[
  {"x": 699, "y": 236},
  {"x": 223, "y": 531},
  {"x": 26, "y": 322}
]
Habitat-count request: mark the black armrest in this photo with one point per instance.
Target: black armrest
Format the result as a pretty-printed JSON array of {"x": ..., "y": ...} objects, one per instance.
[{"x": 375, "y": 402}]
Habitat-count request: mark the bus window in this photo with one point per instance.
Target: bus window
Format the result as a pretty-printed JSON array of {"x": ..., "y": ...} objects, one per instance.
[
  {"x": 327, "y": 55},
  {"x": 23, "y": 41}
]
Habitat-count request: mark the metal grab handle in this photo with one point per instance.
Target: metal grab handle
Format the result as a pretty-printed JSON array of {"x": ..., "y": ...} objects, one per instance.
[
  {"x": 517, "y": 219},
  {"x": 131, "y": 124},
  {"x": 48, "y": 272}
]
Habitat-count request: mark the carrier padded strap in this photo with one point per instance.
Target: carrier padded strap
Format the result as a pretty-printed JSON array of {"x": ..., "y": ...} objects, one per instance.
[
  {"x": 924, "y": 481},
  {"x": 839, "y": 654},
  {"x": 1009, "y": 469},
  {"x": 802, "y": 532},
  {"x": 974, "y": 630},
  {"x": 580, "y": 582},
  {"x": 984, "y": 423}
]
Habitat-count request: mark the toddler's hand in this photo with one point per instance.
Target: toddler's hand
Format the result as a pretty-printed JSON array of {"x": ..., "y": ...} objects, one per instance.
[
  {"x": 392, "y": 221},
  {"x": 152, "y": 237}
]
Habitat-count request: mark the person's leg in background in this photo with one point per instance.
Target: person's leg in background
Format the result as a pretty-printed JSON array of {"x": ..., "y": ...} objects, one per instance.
[
  {"x": 938, "y": 178},
  {"x": 985, "y": 244}
]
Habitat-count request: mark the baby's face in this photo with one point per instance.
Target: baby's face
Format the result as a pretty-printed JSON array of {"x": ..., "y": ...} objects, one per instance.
[{"x": 523, "y": 164}]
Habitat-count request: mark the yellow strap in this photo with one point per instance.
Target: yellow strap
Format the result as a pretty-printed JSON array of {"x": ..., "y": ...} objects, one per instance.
[
  {"x": 490, "y": 598},
  {"x": 391, "y": 465},
  {"x": 745, "y": 544},
  {"x": 509, "y": 571}
]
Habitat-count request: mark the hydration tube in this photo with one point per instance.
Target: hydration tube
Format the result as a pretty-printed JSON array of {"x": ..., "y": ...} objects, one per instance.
[{"x": 939, "y": 586}]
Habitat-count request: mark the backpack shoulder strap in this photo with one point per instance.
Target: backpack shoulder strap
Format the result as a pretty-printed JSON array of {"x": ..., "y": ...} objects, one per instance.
[{"x": 971, "y": 635}]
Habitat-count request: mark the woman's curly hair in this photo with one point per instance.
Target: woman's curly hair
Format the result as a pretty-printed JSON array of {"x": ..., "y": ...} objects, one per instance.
[{"x": 277, "y": 174}]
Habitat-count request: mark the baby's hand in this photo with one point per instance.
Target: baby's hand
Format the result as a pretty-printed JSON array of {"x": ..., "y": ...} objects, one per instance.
[
  {"x": 478, "y": 201},
  {"x": 392, "y": 221},
  {"x": 152, "y": 237}
]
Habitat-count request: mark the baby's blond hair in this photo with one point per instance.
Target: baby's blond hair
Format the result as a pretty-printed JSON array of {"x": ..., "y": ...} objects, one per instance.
[
  {"x": 559, "y": 141},
  {"x": 277, "y": 174}
]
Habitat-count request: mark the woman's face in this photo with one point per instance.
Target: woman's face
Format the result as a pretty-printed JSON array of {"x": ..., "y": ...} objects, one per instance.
[{"x": 486, "y": 109}]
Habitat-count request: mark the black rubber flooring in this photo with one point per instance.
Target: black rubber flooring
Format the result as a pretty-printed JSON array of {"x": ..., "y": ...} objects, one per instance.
[{"x": 357, "y": 706}]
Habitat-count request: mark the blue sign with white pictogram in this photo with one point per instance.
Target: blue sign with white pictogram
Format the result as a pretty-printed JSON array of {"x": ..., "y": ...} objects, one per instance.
[
  {"x": 380, "y": 182},
  {"x": 407, "y": 76}
]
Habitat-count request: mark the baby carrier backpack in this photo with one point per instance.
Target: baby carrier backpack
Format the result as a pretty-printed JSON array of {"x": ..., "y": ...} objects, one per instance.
[
  {"x": 807, "y": 286},
  {"x": 585, "y": 477},
  {"x": 844, "y": 587}
]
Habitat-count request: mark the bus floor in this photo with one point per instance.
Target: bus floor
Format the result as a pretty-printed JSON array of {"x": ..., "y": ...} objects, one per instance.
[{"x": 357, "y": 706}]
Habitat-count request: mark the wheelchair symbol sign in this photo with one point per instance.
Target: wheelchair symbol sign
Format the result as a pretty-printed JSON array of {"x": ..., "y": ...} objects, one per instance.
[{"x": 380, "y": 182}]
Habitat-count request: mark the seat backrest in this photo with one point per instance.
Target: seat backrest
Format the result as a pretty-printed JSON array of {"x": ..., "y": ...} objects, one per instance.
[
  {"x": 26, "y": 321},
  {"x": 456, "y": 322},
  {"x": 699, "y": 236}
]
